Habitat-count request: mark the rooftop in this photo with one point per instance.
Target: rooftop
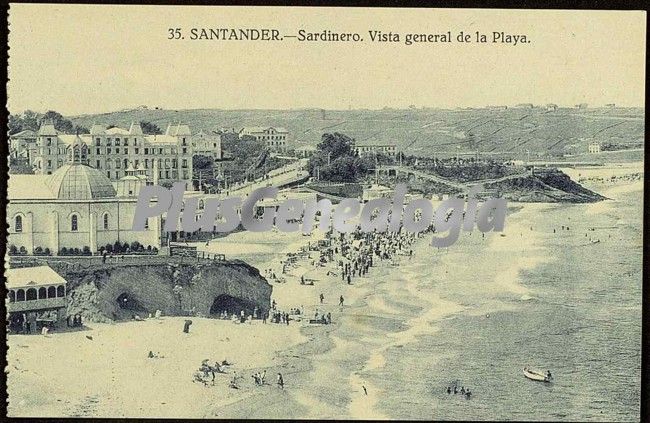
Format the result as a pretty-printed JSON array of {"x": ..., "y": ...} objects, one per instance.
[{"x": 33, "y": 276}]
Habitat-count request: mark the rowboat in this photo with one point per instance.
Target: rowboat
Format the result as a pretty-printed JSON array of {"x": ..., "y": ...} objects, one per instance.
[{"x": 536, "y": 376}]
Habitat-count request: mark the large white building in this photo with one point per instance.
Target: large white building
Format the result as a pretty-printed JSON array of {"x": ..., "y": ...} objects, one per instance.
[
  {"x": 371, "y": 149},
  {"x": 76, "y": 206},
  {"x": 274, "y": 138},
  {"x": 113, "y": 150}
]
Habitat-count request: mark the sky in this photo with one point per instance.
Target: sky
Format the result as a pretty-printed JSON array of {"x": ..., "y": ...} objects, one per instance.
[{"x": 82, "y": 59}]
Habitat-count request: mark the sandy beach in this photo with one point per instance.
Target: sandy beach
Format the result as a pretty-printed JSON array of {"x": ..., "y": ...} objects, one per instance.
[
  {"x": 386, "y": 313},
  {"x": 105, "y": 370}
]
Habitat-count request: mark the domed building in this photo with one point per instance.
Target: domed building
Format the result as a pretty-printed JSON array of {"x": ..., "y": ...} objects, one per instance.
[{"x": 75, "y": 207}]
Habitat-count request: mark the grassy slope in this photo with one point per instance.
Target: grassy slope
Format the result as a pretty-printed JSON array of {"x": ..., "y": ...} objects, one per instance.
[{"x": 421, "y": 131}]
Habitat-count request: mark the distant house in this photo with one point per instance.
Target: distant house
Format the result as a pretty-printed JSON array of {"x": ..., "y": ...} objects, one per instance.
[
  {"x": 275, "y": 138},
  {"x": 370, "y": 149},
  {"x": 207, "y": 144},
  {"x": 581, "y": 106},
  {"x": 496, "y": 107},
  {"x": 610, "y": 105},
  {"x": 23, "y": 144},
  {"x": 594, "y": 147},
  {"x": 551, "y": 107},
  {"x": 524, "y": 106}
]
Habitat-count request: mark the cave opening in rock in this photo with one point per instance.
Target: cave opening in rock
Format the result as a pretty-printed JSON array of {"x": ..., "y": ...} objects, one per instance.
[
  {"x": 231, "y": 305},
  {"x": 127, "y": 302}
]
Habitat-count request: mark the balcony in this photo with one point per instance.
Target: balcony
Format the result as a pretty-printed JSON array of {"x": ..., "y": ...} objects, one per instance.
[{"x": 30, "y": 305}]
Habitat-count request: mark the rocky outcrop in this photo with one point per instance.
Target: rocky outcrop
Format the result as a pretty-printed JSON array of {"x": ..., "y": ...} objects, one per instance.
[
  {"x": 114, "y": 292},
  {"x": 544, "y": 186}
]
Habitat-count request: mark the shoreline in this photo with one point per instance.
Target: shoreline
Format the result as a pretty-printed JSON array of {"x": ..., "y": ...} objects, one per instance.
[
  {"x": 390, "y": 308},
  {"x": 311, "y": 359}
]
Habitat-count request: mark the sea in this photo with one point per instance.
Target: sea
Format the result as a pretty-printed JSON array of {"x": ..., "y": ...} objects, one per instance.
[{"x": 559, "y": 290}]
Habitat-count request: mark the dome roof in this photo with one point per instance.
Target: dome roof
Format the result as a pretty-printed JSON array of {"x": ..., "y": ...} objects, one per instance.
[{"x": 80, "y": 182}]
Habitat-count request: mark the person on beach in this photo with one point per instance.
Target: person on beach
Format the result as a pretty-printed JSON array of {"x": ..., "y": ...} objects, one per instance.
[
  {"x": 341, "y": 301},
  {"x": 280, "y": 381},
  {"x": 365, "y": 391},
  {"x": 448, "y": 390},
  {"x": 322, "y": 297}
]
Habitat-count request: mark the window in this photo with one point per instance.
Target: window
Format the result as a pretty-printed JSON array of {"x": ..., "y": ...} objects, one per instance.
[
  {"x": 117, "y": 141},
  {"x": 98, "y": 164},
  {"x": 146, "y": 151},
  {"x": 184, "y": 150},
  {"x": 117, "y": 163},
  {"x": 126, "y": 141},
  {"x": 108, "y": 142},
  {"x": 98, "y": 142},
  {"x": 137, "y": 151},
  {"x": 108, "y": 150},
  {"x": 18, "y": 225},
  {"x": 49, "y": 163},
  {"x": 31, "y": 294},
  {"x": 117, "y": 150},
  {"x": 108, "y": 174},
  {"x": 105, "y": 221},
  {"x": 126, "y": 151},
  {"x": 184, "y": 162},
  {"x": 74, "y": 223},
  {"x": 98, "y": 151},
  {"x": 146, "y": 223}
]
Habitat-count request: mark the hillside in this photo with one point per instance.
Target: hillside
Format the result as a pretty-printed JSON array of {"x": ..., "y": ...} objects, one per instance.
[{"x": 511, "y": 132}]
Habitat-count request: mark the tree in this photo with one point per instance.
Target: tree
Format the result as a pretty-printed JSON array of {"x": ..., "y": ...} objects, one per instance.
[
  {"x": 150, "y": 128},
  {"x": 30, "y": 120},
  {"x": 60, "y": 123},
  {"x": 200, "y": 162},
  {"x": 336, "y": 145},
  {"x": 15, "y": 124},
  {"x": 78, "y": 129}
]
